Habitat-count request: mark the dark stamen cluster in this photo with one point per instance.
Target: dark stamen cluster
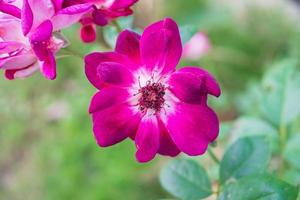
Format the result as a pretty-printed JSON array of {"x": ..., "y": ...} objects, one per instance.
[{"x": 152, "y": 96}]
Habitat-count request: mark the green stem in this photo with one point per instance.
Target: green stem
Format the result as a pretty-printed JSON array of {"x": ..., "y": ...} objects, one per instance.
[
  {"x": 282, "y": 133},
  {"x": 73, "y": 53},
  {"x": 117, "y": 26},
  {"x": 213, "y": 156},
  {"x": 102, "y": 40},
  {"x": 283, "y": 137}
]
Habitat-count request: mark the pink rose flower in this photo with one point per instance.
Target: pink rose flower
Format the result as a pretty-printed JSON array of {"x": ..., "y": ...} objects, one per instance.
[
  {"x": 16, "y": 56},
  {"x": 103, "y": 11},
  {"x": 38, "y": 20},
  {"x": 144, "y": 98},
  {"x": 196, "y": 47}
]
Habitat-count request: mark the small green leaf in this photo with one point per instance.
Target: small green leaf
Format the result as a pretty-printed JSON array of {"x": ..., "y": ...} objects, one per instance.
[
  {"x": 247, "y": 156},
  {"x": 251, "y": 126},
  {"x": 185, "y": 179},
  {"x": 187, "y": 32},
  {"x": 110, "y": 35},
  {"x": 126, "y": 22},
  {"x": 262, "y": 187},
  {"x": 292, "y": 151},
  {"x": 280, "y": 102}
]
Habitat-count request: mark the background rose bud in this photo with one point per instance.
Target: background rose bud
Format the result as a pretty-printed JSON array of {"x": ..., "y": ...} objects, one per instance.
[{"x": 197, "y": 46}]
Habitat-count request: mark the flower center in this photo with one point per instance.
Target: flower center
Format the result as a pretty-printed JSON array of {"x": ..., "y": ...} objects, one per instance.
[{"x": 152, "y": 97}]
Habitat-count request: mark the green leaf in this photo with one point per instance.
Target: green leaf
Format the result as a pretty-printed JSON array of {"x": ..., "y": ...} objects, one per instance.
[
  {"x": 249, "y": 99},
  {"x": 187, "y": 32},
  {"x": 280, "y": 102},
  {"x": 292, "y": 176},
  {"x": 292, "y": 151},
  {"x": 251, "y": 126},
  {"x": 225, "y": 130},
  {"x": 247, "y": 156},
  {"x": 185, "y": 179},
  {"x": 262, "y": 187},
  {"x": 110, "y": 34},
  {"x": 126, "y": 22}
]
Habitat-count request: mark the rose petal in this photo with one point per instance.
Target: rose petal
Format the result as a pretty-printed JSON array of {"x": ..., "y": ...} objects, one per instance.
[
  {"x": 114, "y": 124},
  {"x": 7, "y": 24},
  {"x": 57, "y": 4},
  {"x": 10, "y": 9},
  {"x": 112, "y": 73},
  {"x": 121, "y": 4},
  {"x": 49, "y": 67},
  {"x": 166, "y": 144},
  {"x": 99, "y": 18},
  {"x": 45, "y": 8},
  {"x": 10, "y": 47},
  {"x": 147, "y": 139},
  {"x": 161, "y": 46},
  {"x": 128, "y": 43},
  {"x": 108, "y": 97},
  {"x": 42, "y": 33},
  {"x": 70, "y": 15},
  {"x": 193, "y": 127},
  {"x": 112, "y": 14},
  {"x": 26, "y": 17},
  {"x": 88, "y": 33},
  {"x": 21, "y": 73},
  {"x": 187, "y": 87},
  {"x": 18, "y": 62},
  {"x": 92, "y": 62},
  {"x": 211, "y": 84}
]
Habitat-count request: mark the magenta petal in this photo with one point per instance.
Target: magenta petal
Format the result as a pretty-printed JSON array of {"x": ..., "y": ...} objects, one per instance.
[
  {"x": 187, "y": 87},
  {"x": 114, "y": 74},
  {"x": 114, "y": 124},
  {"x": 36, "y": 12},
  {"x": 49, "y": 67},
  {"x": 166, "y": 144},
  {"x": 108, "y": 97},
  {"x": 121, "y": 4},
  {"x": 42, "y": 33},
  {"x": 211, "y": 84},
  {"x": 147, "y": 139},
  {"x": 193, "y": 127},
  {"x": 161, "y": 46},
  {"x": 27, "y": 17},
  {"x": 11, "y": 74},
  {"x": 10, "y": 9},
  {"x": 70, "y": 15},
  {"x": 128, "y": 43},
  {"x": 88, "y": 33},
  {"x": 11, "y": 46},
  {"x": 76, "y": 9},
  {"x": 28, "y": 71},
  {"x": 92, "y": 62},
  {"x": 99, "y": 18},
  {"x": 39, "y": 41},
  {"x": 57, "y": 4},
  {"x": 18, "y": 61}
]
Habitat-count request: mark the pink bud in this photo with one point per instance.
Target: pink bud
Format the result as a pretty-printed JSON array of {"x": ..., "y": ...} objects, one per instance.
[{"x": 196, "y": 47}]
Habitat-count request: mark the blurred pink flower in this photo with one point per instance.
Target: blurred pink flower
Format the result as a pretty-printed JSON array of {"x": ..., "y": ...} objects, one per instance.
[
  {"x": 196, "y": 47},
  {"x": 103, "y": 11},
  {"x": 16, "y": 56},
  {"x": 143, "y": 97},
  {"x": 38, "y": 20}
]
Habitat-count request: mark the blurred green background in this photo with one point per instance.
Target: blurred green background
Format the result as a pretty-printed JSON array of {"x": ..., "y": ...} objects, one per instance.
[{"x": 47, "y": 146}]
